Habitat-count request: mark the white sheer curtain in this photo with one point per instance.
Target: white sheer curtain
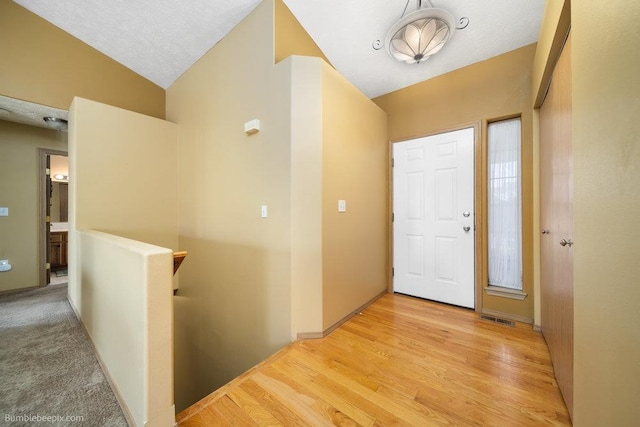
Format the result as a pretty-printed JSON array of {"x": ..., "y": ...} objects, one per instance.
[{"x": 504, "y": 204}]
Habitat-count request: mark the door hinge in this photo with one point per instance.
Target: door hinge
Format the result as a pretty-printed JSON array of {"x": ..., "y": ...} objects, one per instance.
[
  {"x": 393, "y": 217},
  {"x": 393, "y": 272},
  {"x": 393, "y": 162},
  {"x": 47, "y": 266},
  {"x": 47, "y": 171}
]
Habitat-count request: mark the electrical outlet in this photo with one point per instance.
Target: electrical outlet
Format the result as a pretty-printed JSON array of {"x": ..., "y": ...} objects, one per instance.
[{"x": 4, "y": 211}]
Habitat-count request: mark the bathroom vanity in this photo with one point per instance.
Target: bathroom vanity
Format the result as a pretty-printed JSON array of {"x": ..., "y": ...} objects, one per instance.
[{"x": 58, "y": 250}]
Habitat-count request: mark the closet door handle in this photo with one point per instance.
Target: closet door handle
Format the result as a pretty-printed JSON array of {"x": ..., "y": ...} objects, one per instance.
[
  {"x": 564, "y": 242},
  {"x": 545, "y": 231}
]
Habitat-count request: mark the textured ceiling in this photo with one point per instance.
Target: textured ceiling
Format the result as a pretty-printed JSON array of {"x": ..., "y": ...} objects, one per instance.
[
  {"x": 160, "y": 39},
  {"x": 346, "y": 30},
  {"x": 15, "y": 110}
]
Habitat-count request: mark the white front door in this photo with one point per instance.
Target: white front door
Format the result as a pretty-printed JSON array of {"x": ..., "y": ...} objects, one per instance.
[{"x": 433, "y": 228}]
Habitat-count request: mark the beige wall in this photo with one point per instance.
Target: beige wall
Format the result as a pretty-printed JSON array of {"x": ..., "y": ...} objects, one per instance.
[
  {"x": 19, "y": 191},
  {"x": 606, "y": 161},
  {"x": 233, "y": 307},
  {"x": 339, "y": 150},
  {"x": 496, "y": 88},
  {"x": 127, "y": 312},
  {"x": 45, "y": 65},
  {"x": 306, "y": 196},
  {"x": 290, "y": 36},
  {"x": 123, "y": 171},
  {"x": 354, "y": 168},
  {"x": 250, "y": 284}
]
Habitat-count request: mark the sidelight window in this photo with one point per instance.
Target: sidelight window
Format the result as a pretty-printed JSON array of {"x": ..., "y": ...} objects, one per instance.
[{"x": 504, "y": 204}]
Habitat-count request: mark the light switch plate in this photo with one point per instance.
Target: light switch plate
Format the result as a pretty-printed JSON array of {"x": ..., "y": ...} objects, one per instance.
[
  {"x": 263, "y": 211},
  {"x": 4, "y": 211},
  {"x": 342, "y": 205}
]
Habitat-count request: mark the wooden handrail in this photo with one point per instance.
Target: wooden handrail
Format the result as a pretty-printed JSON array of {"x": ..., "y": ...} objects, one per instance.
[{"x": 178, "y": 257}]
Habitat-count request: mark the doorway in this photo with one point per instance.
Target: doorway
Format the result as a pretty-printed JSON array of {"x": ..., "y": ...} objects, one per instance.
[
  {"x": 434, "y": 217},
  {"x": 54, "y": 180}
]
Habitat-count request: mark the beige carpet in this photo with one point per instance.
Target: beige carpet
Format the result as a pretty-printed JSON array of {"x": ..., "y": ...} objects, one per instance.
[{"x": 49, "y": 373}]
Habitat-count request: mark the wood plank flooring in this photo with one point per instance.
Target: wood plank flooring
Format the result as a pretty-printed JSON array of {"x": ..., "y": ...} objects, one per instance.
[{"x": 403, "y": 361}]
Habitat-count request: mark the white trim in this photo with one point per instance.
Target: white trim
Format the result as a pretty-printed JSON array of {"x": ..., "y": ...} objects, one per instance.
[{"x": 498, "y": 291}]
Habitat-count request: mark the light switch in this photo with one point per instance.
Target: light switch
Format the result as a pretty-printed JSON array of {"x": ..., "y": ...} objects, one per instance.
[
  {"x": 342, "y": 205},
  {"x": 263, "y": 211},
  {"x": 4, "y": 211}
]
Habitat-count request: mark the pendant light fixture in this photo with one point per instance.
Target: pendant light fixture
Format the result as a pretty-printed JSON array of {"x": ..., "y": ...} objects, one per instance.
[{"x": 422, "y": 33}]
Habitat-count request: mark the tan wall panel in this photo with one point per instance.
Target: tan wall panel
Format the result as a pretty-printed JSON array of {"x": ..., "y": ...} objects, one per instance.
[
  {"x": 45, "y": 65},
  {"x": 606, "y": 160},
  {"x": 354, "y": 168},
  {"x": 497, "y": 88},
  {"x": 122, "y": 167},
  {"x": 127, "y": 313},
  {"x": 19, "y": 191},
  {"x": 233, "y": 307},
  {"x": 306, "y": 195},
  {"x": 290, "y": 37},
  {"x": 123, "y": 174}
]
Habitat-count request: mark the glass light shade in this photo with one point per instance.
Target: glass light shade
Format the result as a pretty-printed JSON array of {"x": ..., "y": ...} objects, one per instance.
[
  {"x": 419, "y": 35},
  {"x": 55, "y": 123}
]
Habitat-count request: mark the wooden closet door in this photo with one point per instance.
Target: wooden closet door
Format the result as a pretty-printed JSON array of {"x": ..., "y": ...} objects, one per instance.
[{"x": 556, "y": 219}]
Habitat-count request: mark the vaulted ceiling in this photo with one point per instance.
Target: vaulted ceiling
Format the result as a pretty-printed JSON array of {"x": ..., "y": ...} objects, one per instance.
[{"x": 161, "y": 39}]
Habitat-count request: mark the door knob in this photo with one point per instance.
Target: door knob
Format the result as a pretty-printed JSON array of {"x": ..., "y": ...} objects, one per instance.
[
  {"x": 466, "y": 228},
  {"x": 564, "y": 242},
  {"x": 545, "y": 231},
  {"x": 466, "y": 214}
]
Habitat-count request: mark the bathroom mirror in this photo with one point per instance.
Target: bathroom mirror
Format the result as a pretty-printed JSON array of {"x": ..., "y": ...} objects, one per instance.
[{"x": 59, "y": 201}]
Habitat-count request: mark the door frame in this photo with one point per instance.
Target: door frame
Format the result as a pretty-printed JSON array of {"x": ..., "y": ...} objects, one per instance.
[
  {"x": 43, "y": 243},
  {"x": 479, "y": 195}
]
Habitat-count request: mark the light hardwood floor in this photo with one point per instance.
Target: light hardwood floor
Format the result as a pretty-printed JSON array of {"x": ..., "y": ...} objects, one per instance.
[{"x": 403, "y": 361}]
